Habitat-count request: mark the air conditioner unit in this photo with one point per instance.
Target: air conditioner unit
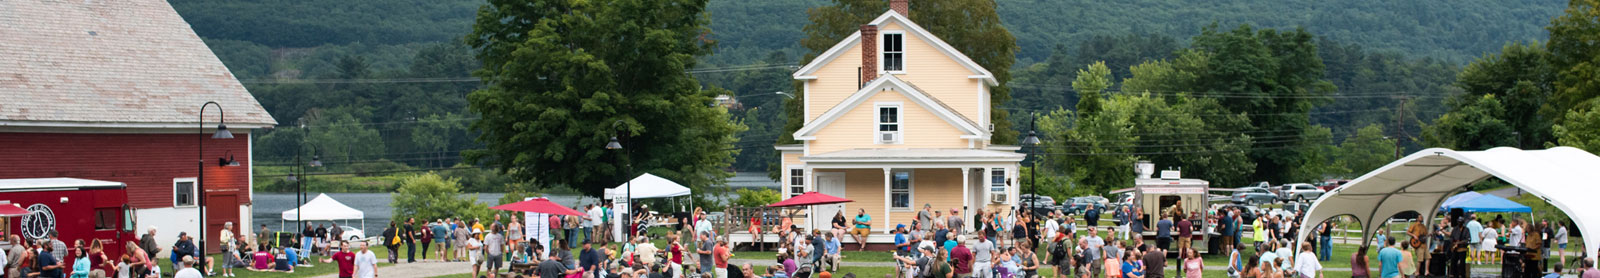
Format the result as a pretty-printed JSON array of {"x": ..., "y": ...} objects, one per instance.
[
  {"x": 997, "y": 198},
  {"x": 888, "y": 136}
]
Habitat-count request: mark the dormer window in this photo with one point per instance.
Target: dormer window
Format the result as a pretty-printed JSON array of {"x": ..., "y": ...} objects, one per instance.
[{"x": 894, "y": 56}]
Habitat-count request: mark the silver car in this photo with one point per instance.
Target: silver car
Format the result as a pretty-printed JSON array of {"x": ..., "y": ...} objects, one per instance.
[
  {"x": 1253, "y": 196},
  {"x": 1299, "y": 192}
]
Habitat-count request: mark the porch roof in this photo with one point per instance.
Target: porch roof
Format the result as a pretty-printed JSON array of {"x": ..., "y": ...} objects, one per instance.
[{"x": 915, "y": 155}]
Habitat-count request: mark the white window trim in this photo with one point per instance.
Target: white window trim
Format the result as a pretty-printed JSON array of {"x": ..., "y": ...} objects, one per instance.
[
  {"x": 884, "y": 54},
  {"x": 989, "y": 179},
  {"x": 900, "y": 122},
  {"x": 194, "y": 192},
  {"x": 788, "y": 182},
  {"x": 911, "y": 190}
]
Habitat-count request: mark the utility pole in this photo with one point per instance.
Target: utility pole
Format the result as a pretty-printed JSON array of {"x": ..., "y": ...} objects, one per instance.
[{"x": 1400, "y": 125}]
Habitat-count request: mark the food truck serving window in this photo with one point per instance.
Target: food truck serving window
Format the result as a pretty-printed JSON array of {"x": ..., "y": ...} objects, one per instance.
[{"x": 105, "y": 218}]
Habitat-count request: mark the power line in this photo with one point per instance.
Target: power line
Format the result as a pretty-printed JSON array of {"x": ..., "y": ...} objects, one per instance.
[
  {"x": 1226, "y": 94},
  {"x": 375, "y": 172},
  {"x": 475, "y": 79}
]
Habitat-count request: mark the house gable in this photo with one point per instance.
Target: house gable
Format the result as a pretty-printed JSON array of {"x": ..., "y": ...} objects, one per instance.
[
  {"x": 915, "y": 96},
  {"x": 854, "y": 40}
]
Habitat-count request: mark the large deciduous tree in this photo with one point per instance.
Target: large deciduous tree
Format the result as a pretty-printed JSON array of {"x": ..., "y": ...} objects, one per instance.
[
  {"x": 565, "y": 76},
  {"x": 1273, "y": 76},
  {"x": 1575, "y": 55},
  {"x": 971, "y": 26}
]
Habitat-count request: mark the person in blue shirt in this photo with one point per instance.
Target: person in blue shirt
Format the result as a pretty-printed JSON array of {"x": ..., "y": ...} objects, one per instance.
[
  {"x": 1389, "y": 260},
  {"x": 901, "y": 244},
  {"x": 1132, "y": 267},
  {"x": 832, "y": 257}
]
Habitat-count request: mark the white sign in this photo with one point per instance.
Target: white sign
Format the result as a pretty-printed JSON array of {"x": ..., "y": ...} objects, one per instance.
[{"x": 1174, "y": 190}]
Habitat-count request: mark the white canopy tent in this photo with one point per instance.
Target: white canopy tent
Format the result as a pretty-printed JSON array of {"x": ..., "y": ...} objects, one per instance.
[
  {"x": 324, "y": 208},
  {"x": 645, "y": 186},
  {"x": 1565, "y": 177}
]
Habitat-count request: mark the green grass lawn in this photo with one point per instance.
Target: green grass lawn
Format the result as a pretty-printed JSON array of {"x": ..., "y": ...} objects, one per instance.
[{"x": 317, "y": 268}]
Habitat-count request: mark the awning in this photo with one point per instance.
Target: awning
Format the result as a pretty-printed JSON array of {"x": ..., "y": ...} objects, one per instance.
[
  {"x": 12, "y": 210},
  {"x": 1565, "y": 177},
  {"x": 915, "y": 155}
]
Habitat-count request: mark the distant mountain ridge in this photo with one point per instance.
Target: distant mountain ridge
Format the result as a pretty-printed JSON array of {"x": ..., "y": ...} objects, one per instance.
[{"x": 748, "y": 30}]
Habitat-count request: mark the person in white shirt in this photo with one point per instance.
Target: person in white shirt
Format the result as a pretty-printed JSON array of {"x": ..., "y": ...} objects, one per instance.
[
  {"x": 1306, "y": 263},
  {"x": 475, "y": 251},
  {"x": 186, "y": 270},
  {"x": 1051, "y": 226},
  {"x": 596, "y": 216},
  {"x": 366, "y": 263}
]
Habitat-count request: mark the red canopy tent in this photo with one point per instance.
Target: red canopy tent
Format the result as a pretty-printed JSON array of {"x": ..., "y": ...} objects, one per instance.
[
  {"x": 538, "y": 205},
  {"x": 809, "y": 199}
]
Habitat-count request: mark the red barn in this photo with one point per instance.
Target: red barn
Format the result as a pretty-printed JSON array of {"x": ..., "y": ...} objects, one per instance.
[{"x": 112, "y": 91}]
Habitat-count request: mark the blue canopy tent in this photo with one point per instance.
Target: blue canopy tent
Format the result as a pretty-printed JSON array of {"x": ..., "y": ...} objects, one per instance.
[
  {"x": 1458, "y": 198},
  {"x": 1486, "y": 203}
]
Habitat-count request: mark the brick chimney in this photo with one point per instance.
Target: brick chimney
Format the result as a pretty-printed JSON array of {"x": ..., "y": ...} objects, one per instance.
[
  {"x": 869, "y": 53},
  {"x": 901, "y": 6}
]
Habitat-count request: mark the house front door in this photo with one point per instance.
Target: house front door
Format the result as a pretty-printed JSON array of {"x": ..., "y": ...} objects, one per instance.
[{"x": 831, "y": 183}]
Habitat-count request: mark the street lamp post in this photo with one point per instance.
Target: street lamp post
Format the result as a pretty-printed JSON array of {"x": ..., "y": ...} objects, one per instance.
[
  {"x": 199, "y": 183},
  {"x": 628, "y": 185},
  {"x": 1033, "y": 165}
]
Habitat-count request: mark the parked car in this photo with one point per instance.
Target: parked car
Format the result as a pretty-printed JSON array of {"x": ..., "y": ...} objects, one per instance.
[
  {"x": 352, "y": 234},
  {"x": 1040, "y": 205},
  {"x": 1329, "y": 185},
  {"x": 1098, "y": 200},
  {"x": 1299, "y": 192},
  {"x": 1080, "y": 204},
  {"x": 1253, "y": 196},
  {"x": 1247, "y": 213}
]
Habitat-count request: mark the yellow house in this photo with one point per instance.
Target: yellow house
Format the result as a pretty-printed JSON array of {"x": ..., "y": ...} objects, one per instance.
[{"x": 895, "y": 118}]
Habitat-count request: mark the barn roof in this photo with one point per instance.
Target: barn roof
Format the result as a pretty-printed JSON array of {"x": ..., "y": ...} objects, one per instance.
[{"x": 111, "y": 64}]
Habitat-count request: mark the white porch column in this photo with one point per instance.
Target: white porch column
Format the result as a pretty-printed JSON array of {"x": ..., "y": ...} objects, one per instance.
[
  {"x": 1014, "y": 174},
  {"x": 966, "y": 193},
  {"x": 809, "y": 182},
  {"x": 888, "y": 181}
]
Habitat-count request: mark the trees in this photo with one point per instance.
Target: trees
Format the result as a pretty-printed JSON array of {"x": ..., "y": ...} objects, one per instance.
[
  {"x": 970, "y": 26},
  {"x": 1473, "y": 124},
  {"x": 1574, "y": 56},
  {"x": 566, "y": 76},
  {"x": 1366, "y": 151},
  {"x": 1580, "y": 128},
  {"x": 1274, "y": 76},
  {"x": 429, "y": 196}
]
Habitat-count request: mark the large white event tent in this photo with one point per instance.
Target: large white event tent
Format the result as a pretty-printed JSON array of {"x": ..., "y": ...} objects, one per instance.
[
  {"x": 1566, "y": 177},
  {"x": 324, "y": 208},
  {"x": 645, "y": 186}
]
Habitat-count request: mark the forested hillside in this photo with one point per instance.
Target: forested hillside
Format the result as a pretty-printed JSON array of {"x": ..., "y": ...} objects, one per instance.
[{"x": 381, "y": 85}]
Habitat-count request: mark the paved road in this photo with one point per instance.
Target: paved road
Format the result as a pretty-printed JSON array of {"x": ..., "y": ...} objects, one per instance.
[{"x": 419, "y": 269}]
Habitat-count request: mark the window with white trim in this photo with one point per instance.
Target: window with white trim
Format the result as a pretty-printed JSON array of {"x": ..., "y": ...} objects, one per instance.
[
  {"x": 894, "y": 56},
  {"x": 888, "y": 124},
  {"x": 997, "y": 180},
  {"x": 797, "y": 182},
  {"x": 900, "y": 190},
  {"x": 183, "y": 192}
]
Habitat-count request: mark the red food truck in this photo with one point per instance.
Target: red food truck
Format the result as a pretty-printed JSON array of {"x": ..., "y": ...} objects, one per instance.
[{"x": 75, "y": 208}]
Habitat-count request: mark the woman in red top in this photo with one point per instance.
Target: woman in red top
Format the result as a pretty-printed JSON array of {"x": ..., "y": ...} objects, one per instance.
[{"x": 98, "y": 260}]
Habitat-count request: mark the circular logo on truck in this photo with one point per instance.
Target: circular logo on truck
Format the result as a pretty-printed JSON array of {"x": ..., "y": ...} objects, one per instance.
[{"x": 39, "y": 222}]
